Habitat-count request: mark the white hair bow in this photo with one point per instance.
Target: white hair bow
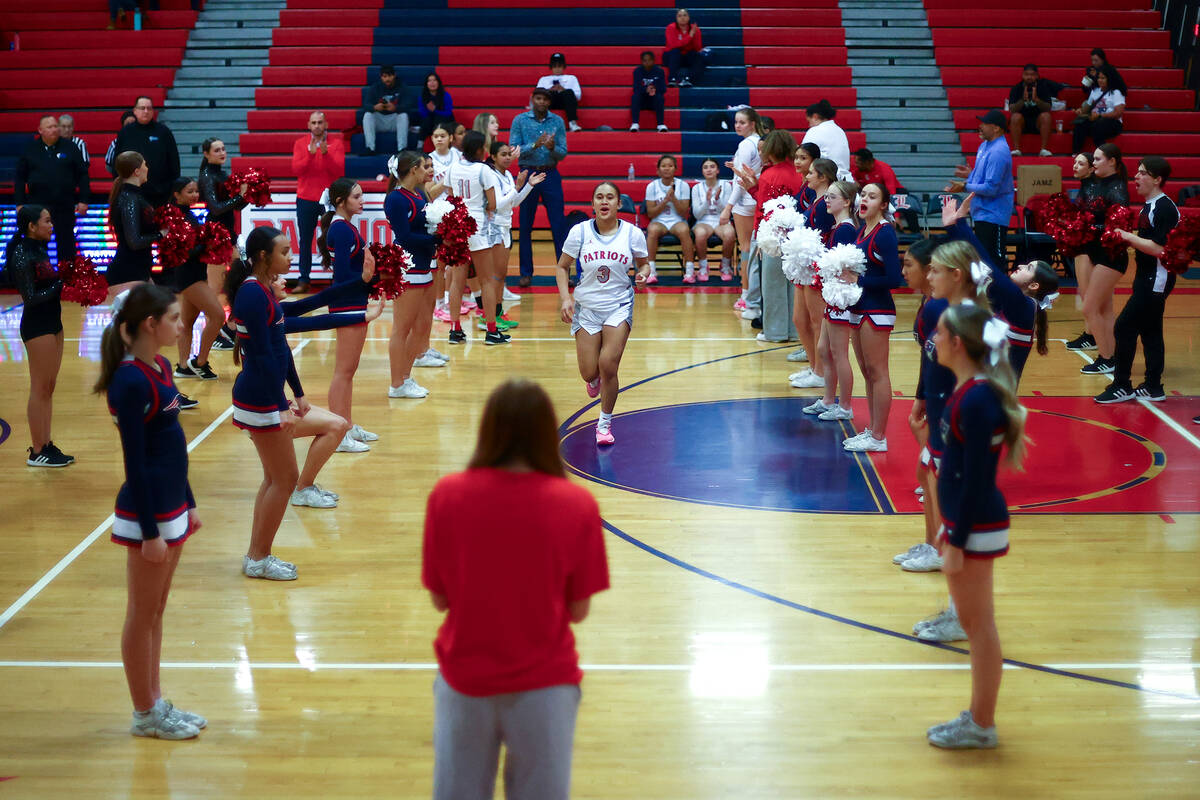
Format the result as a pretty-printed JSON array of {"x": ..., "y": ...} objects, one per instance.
[
  {"x": 393, "y": 166},
  {"x": 995, "y": 336},
  {"x": 118, "y": 303},
  {"x": 1047, "y": 302},
  {"x": 981, "y": 274}
]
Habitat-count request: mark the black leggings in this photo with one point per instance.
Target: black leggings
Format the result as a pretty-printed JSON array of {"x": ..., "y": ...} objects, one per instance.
[
  {"x": 1142, "y": 316},
  {"x": 568, "y": 102},
  {"x": 1100, "y": 129}
]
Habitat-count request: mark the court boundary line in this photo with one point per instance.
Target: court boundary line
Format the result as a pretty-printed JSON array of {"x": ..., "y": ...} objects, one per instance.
[{"x": 66, "y": 561}]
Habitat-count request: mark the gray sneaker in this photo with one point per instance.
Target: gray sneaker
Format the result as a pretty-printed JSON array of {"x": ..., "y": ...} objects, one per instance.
[
  {"x": 963, "y": 734},
  {"x": 945, "y": 629},
  {"x": 798, "y": 355},
  {"x": 925, "y": 560},
  {"x": 312, "y": 497},
  {"x": 900, "y": 558},
  {"x": 156, "y": 725},
  {"x": 271, "y": 569},
  {"x": 942, "y": 726},
  {"x": 936, "y": 619},
  {"x": 195, "y": 720}
]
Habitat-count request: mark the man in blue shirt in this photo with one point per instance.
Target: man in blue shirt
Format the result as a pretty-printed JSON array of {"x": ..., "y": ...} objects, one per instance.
[
  {"x": 992, "y": 182},
  {"x": 542, "y": 139}
]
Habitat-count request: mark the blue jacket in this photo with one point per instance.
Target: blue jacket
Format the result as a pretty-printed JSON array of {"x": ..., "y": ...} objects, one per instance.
[{"x": 992, "y": 182}]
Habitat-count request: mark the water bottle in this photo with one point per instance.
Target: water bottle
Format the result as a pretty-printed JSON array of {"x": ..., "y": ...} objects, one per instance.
[
  {"x": 137, "y": 19},
  {"x": 631, "y": 174}
]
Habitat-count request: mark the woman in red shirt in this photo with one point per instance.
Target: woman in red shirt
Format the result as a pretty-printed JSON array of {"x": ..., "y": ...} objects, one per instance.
[
  {"x": 508, "y": 669},
  {"x": 682, "y": 56}
]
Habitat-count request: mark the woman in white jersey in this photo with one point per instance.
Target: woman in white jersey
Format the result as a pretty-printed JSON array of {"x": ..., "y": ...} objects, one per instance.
[
  {"x": 509, "y": 194},
  {"x": 442, "y": 156},
  {"x": 709, "y": 197},
  {"x": 475, "y": 182},
  {"x": 601, "y": 312},
  {"x": 741, "y": 205},
  {"x": 668, "y": 203}
]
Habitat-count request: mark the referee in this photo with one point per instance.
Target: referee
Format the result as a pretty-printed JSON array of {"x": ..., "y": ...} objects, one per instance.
[{"x": 50, "y": 173}]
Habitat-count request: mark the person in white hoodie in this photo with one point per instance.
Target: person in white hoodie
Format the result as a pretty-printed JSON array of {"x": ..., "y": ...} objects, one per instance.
[
  {"x": 565, "y": 91},
  {"x": 825, "y": 133}
]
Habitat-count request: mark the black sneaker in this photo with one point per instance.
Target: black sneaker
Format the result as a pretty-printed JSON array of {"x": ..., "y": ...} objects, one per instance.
[
  {"x": 202, "y": 371},
  {"x": 47, "y": 458},
  {"x": 1101, "y": 366},
  {"x": 186, "y": 402},
  {"x": 183, "y": 372},
  {"x": 1084, "y": 341},
  {"x": 457, "y": 336},
  {"x": 756, "y": 323},
  {"x": 1155, "y": 394},
  {"x": 52, "y": 447},
  {"x": 495, "y": 337},
  {"x": 1196, "y": 420},
  {"x": 222, "y": 342},
  {"x": 1115, "y": 394}
]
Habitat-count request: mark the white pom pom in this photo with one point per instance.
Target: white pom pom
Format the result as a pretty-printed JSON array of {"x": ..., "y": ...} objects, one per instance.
[
  {"x": 435, "y": 211},
  {"x": 779, "y": 218},
  {"x": 800, "y": 250},
  {"x": 840, "y": 294},
  {"x": 837, "y": 260}
]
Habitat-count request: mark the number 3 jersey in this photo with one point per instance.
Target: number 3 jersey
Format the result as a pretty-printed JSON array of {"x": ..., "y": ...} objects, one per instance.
[{"x": 605, "y": 261}]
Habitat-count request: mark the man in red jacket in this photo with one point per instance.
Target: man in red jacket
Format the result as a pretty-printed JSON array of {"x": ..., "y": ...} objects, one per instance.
[
  {"x": 317, "y": 161},
  {"x": 868, "y": 169},
  {"x": 682, "y": 56}
]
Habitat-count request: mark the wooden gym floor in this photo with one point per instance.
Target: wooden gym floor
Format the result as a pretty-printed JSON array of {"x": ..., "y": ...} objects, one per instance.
[{"x": 754, "y": 643}]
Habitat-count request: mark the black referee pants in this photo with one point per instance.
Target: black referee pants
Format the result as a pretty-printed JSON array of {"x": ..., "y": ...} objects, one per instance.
[
  {"x": 63, "y": 218},
  {"x": 1142, "y": 316}
]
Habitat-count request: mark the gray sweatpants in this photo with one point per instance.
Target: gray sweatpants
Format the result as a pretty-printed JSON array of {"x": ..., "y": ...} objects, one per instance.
[
  {"x": 754, "y": 281},
  {"x": 536, "y": 727},
  {"x": 777, "y": 301}
]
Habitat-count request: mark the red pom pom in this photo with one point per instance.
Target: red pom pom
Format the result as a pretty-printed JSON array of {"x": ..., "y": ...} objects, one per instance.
[
  {"x": 455, "y": 229},
  {"x": 1072, "y": 227},
  {"x": 81, "y": 283},
  {"x": 1118, "y": 217},
  {"x": 1183, "y": 244},
  {"x": 218, "y": 245},
  {"x": 180, "y": 238},
  {"x": 258, "y": 185},
  {"x": 392, "y": 263}
]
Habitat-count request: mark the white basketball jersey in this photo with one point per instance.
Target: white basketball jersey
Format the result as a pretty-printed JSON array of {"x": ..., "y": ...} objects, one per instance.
[
  {"x": 469, "y": 180},
  {"x": 605, "y": 262},
  {"x": 441, "y": 164}
]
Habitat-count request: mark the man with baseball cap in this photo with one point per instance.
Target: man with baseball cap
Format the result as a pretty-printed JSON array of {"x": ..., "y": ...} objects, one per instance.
[
  {"x": 542, "y": 138},
  {"x": 992, "y": 182}
]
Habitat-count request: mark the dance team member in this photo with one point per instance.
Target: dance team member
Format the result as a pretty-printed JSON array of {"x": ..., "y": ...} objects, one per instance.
[
  {"x": 739, "y": 208},
  {"x": 475, "y": 182},
  {"x": 196, "y": 295},
  {"x": 808, "y": 306},
  {"x": 709, "y": 197},
  {"x": 155, "y": 509},
  {"x": 510, "y": 192},
  {"x": 259, "y": 403},
  {"x": 1110, "y": 188},
  {"x": 341, "y": 243},
  {"x": 222, "y": 209},
  {"x": 508, "y": 670},
  {"x": 27, "y": 262},
  {"x": 131, "y": 218},
  {"x": 668, "y": 205},
  {"x": 601, "y": 310},
  {"x": 1083, "y": 171},
  {"x": 982, "y": 418}
]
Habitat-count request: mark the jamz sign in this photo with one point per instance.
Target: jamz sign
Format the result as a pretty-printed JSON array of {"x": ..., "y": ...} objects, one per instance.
[{"x": 281, "y": 214}]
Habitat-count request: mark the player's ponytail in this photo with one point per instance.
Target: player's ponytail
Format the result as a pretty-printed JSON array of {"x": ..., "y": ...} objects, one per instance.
[
  {"x": 339, "y": 192},
  {"x": 986, "y": 341},
  {"x": 129, "y": 310},
  {"x": 1044, "y": 295}
]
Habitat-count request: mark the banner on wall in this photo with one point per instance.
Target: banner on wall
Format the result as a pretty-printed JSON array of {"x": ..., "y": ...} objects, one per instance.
[{"x": 281, "y": 214}]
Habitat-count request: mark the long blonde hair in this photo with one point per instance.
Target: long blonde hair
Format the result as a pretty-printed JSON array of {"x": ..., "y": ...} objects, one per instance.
[
  {"x": 967, "y": 323},
  {"x": 959, "y": 256}
]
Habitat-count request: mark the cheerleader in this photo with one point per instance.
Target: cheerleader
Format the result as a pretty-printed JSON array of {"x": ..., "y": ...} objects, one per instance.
[
  {"x": 196, "y": 295},
  {"x": 808, "y": 306},
  {"x": 877, "y": 239},
  {"x": 259, "y": 404},
  {"x": 222, "y": 209},
  {"x": 668, "y": 204},
  {"x": 739, "y": 208},
  {"x": 709, "y": 198},
  {"x": 28, "y": 263},
  {"x": 441, "y": 157},
  {"x": 601, "y": 311},
  {"x": 475, "y": 182},
  {"x": 155, "y": 509},
  {"x": 342, "y": 245},
  {"x": 404, "y": 208},
  {"x": 1111, "y": 188},
  {"x": 1083, "y": 169},
  {"x": 131, "y": 218},
  {"x": 803, "y": 160},
  {"x": 510, "y": 193},
  {"x": 833, "y": 343},
  {"x": 981, "y": 418}
]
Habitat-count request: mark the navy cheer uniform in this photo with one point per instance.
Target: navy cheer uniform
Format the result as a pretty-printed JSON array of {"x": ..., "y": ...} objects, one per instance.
[
  {"x": 974, "y": 513},
  {"x": 1008, "y": 302},
  {"x": 348, "y": 249},
  {"x": 156, "y": 496},
  {"x": 262, "y": 324},
  {"x": 935, "y": 383},
  {"x": 28, "y": 263},
  {"x": 882, "y": 249},
  {"x": 132, "y": 219},
  {"x": 805, "y": 198},
  {"x": 818, "y": 218},
  {"x": 405, "y": 212}
]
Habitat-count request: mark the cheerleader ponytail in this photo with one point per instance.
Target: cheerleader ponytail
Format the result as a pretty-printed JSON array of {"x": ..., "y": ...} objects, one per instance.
[{"x": 1045, "y": 279}]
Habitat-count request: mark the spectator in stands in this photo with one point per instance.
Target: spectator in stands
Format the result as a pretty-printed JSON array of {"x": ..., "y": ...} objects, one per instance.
[
  {"x": 156, "y": 143},
  {"x": 436, "y": 105},
  {"x": 1029, "y": 105},
  {"x": 825, "y": 134},
  {"x": 868, "y": 169},
  {"x": 66, "y": 128},
  {"x": 649, "y": 90},
  {"x": 682, "y": 57},
  {"x": 387, "y": 109},
  {"x": 1100, "y": 116},
  {"x": 992, "y": 182},
  {"x": 317, "y": 161},
  {"x": 565, "y": 91},
  {"x": 1092, "y": 73},
  {"x": 127, "y": 118},
  {"x": 117, "y": 9},
  {"x": 542, "y": 139},
  {"x": 50, "y": 174},
  {"x": 668, "y": 205}
]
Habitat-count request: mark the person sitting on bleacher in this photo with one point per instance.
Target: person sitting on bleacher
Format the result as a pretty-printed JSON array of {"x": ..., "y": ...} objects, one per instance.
[
  {"x": 117, "y": 10},
  {"x": 649, "y": 89},
  {"x": 565, "y": 91},
  {"x": 683, "y": 57},
  {"x": 436, "y": 105},
  {"x": 668, "y": 204},
  {"x": 1100, "y": 61},
  {"x": 1029, "y": 105},
  {"x": 1100, "y": 116},
  {"x": 868, "y": 169},
  {"x": 709, "y": 197},
  {"x": 387, "y": 110}
]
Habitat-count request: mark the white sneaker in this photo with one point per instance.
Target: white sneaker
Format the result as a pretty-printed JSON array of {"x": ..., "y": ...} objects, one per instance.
[
  {"x": 312, "y": 497},
  {"x": 155, "y": 724},
  {"x": 511, "y": 297},
  {"x": 817, "y": 407},
  {"x": 900, "y": 558},
  {"x": 920, "y": 490},
  {"x": 436, "y": 354},
  {"x": 751, "y": 313},
  {"x": 1016, "y": 152},
  {"x": 326, "y": 492},
  {"x": 1044, "y": 153},
  {"x": 574, "y": 126},
  {"x": 634, "y": 128},
  {"x": 837, "y": 413},
  {"x": 409, "y": 389},
  {"x": 167, "y": 709},
  {"x": 798, "y": 355},
  {"x": 363, "y": 435},
  {"x": 865, "y": 432},
  {"x": 927, "y": 560},
  {"x": 868, "y": 444},
  {"x": 811, "y": 380},
  {"x": 946, "y": 628},
  {"x": 427, "y": 360},
  {"x": 351, "y": 445},
  {"x": 268, "y": 569},
  {"x": 937, "y": 619},
  {"x": 962, "y": 733},
  {"x": 662, "y": 129}
]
